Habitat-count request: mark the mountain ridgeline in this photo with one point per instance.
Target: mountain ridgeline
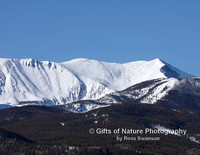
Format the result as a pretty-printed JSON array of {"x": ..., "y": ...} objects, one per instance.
[{"x": 32, "y": 82}]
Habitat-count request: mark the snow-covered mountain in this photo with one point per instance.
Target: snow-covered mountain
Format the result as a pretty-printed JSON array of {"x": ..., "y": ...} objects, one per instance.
[
  {"x": 168, "y": 92},
  {"x": 28, "y": 81}
]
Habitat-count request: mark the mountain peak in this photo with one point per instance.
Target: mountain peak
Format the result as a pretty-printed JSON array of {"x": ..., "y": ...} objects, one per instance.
[
  {"x": 170, "y": 71},
  {"x": 157, "y": 59}
]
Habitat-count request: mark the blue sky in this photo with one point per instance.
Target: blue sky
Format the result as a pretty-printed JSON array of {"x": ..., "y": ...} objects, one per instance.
[{"x": 107, "y": 30}]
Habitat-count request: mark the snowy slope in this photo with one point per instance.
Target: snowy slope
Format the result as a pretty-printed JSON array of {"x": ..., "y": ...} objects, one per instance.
[
  {"x": 28, "y": 81},
  {"x": 170, "y": 92},
  {"x": 145, "y": 92},
  {"x": 120, "y": 76}
]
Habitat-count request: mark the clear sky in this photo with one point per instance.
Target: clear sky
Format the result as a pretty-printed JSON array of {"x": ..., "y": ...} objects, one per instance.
[{"x": 107, "y": 30}]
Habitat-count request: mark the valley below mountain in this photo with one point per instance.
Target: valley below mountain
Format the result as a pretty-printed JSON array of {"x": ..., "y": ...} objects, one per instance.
[{"x": 50, "y": 130}]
